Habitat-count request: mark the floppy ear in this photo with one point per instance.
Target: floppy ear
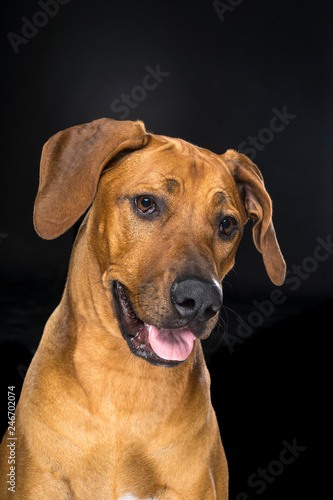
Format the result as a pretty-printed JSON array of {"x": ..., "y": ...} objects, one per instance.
[
  {"x": 258, "y": 206},
  {"x": 71, "y": 165}
]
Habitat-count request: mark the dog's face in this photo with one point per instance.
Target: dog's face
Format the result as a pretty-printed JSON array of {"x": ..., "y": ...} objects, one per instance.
[
  {"x": 164, "y": 226},
  {"x": 169, "y": 219}
]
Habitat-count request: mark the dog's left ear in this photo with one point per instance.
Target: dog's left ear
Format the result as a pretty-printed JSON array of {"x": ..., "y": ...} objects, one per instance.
[{"x": 258, "y": 206}]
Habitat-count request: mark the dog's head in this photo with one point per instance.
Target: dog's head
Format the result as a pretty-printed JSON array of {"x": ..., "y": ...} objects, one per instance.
[{"x": 164, "y": 226}]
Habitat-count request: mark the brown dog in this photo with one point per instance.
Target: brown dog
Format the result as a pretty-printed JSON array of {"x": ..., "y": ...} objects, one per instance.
[{"x": 116, "y": 402}]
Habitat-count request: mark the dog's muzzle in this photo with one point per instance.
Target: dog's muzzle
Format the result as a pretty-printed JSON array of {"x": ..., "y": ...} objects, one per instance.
[{"x": 194, "y": 301}]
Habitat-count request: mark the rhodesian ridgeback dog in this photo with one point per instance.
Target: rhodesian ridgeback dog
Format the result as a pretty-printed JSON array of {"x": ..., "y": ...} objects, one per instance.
[{"x": 116, "y": 403}]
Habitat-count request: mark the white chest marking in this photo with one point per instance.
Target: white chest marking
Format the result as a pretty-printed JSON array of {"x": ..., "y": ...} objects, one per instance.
[{"x": 131, "y": 497}]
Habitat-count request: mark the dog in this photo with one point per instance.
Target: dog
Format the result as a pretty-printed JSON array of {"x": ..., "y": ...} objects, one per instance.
[{"x": 116, "y": 402}]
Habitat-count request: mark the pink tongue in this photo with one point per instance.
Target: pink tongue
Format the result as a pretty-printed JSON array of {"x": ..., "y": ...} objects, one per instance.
[{"x": 175, "y": 345}]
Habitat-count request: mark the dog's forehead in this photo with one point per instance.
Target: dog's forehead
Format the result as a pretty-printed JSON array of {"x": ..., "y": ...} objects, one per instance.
[
  {"x": 175, "y": 162},
  {"x": 185, "y": 156}
]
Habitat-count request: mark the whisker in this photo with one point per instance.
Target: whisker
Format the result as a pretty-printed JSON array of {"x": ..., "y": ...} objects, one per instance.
[
  {"x": 234, "y": 312},
  {"x": 96, "y": 283}
]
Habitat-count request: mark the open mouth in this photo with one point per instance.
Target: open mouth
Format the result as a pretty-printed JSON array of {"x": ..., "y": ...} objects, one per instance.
[{"x": 158, "y": 346}]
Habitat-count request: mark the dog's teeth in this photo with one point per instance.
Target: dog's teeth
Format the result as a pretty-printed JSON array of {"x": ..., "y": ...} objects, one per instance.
[{"x": 141, "y": 334}]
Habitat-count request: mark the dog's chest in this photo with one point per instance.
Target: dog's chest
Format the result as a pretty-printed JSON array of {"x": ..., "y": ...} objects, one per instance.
[{"x": 128, "y": 472}]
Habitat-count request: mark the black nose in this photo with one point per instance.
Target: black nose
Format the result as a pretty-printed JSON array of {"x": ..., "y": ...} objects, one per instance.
[{"x": 196, "y": 298}]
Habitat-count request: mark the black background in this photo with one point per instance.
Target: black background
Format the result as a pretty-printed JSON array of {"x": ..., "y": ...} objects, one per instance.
[{"x": 225, "y": 74}]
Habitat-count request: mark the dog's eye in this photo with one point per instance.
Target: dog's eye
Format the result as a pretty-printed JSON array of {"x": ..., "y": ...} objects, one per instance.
[
  {"x": 145, "y": 204},
  {"x": 228, "y": 225}
]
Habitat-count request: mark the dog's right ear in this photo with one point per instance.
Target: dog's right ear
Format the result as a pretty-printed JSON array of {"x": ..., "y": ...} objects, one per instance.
[
  {"x": 71, "y": 164},
  {"x": 258, "y": 206}
]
